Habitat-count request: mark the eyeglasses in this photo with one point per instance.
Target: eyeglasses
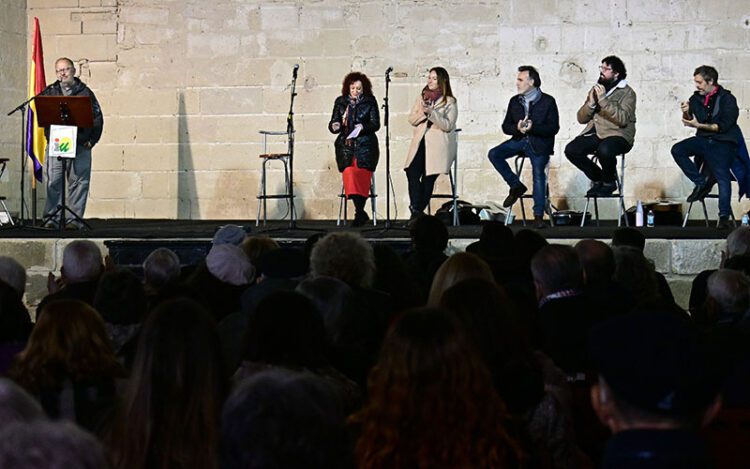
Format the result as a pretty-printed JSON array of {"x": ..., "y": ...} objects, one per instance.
[
  {"x": 63, "y": 70},
  {"x": 604, "y": 68}
]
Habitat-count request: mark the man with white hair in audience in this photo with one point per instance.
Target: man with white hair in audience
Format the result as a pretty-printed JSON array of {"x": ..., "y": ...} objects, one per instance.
[
  {"x": 738, "y": 244},
  {"x": 79, "y": 275}
]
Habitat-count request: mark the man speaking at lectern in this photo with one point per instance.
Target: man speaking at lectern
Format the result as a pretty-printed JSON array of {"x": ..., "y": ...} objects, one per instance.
[{"x": 79, "y": 172}]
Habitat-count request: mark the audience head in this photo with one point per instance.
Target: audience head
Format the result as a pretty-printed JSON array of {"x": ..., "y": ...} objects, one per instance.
[
  {"x": 496, "y": 240},
  {"x": 13, "y": 274},
  {"x": 428, "y": 233},
  {"x": 228, "y": 263},
  {"x": 636, "y": 274},
  {"x": 120, "y": 298},
  {"x": 458, "y": 267},
  {"x": 16, "y": 405},
  {"x": 286, "y": 330},
  {"x": 597, "y": 260},
  {"x": 161, "y": 268},
  {"x": 68, "y": 341},
  {"x": 283, "y": 419},
  {"x": 171, "y": 405},
  {"x": 738, "y": 242},
  {"x": 346, "y": 256},
  {"x": 728, "y": 294},
  {"x": 229, "y": 234},
  {"x": 527, "y": 244},
  {"x": 331, "y": 297},
  {"x": 431, "y": 401},
  {"x": 555, "y": 268},
  {"x": 255, "y": 246},
  {"x": 654, "y": 372},
  {"x": 627, "y": 236},
  {"x": 49, "y": 445},
  {"x": 282, "y": 263},
  {"x": 82, "y": 262}
]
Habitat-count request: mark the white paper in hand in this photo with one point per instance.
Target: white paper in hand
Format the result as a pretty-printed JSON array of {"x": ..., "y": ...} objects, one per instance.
[{"x": 354, "y": 133}]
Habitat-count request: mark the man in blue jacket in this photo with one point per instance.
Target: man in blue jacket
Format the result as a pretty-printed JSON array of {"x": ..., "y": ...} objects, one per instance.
[
  {"x": 712, "y": 111},
  {"x": 532, "y": 121}
]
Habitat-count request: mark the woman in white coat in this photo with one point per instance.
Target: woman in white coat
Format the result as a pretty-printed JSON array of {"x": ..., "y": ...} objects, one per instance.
[{"x": 433, "y": 145}]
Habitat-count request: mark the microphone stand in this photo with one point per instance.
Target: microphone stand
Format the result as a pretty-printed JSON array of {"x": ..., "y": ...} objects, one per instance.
[
  {"x": 22, "y": 107},
  {"x": 387, "y": 226},
  {"x": 290, "y": 141}
]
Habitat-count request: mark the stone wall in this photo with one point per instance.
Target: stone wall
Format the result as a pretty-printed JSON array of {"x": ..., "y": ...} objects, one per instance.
[
  {"x": 185, "y": 86},
  {"x": 13, "y": 70},
  {"x": 679, "y": 260}
]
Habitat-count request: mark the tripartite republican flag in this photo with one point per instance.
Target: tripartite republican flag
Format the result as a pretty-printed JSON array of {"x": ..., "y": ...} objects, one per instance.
[{"x": 35, "y": 141}]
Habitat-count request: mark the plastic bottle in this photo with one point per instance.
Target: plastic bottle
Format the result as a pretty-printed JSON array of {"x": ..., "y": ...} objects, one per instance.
[
  {"x": 650, "y": 219},
  {"x": 745, "y": 220},
  {"x": 639, "y": 214}
]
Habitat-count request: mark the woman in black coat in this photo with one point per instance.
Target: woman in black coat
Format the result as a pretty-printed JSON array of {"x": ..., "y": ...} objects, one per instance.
[{"x": 356, "y": 118}]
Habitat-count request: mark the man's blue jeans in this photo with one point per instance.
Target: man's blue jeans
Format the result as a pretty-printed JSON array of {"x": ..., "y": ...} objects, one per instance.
[
  {"x": 498, "y": 157},
  {"x": 718, "y": 156}
]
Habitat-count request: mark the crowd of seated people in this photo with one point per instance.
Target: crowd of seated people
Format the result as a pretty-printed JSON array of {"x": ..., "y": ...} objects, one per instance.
[{"x": 517, "y": 353}]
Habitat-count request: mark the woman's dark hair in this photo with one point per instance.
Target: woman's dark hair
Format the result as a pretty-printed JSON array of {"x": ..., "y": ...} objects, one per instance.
[
  {"x": 431, "y": 401},
  {"x": 15, "y": 322},
  {"x": 170, "y": 412},
  {"x": 284, "y": 419},
  {"x": 492, "y": 324},
  {"x": 533, "y": 74},
  {"x": 356, "y": 76},
  {"x": 67, "y": 342},
  {"x": 444, "y": 81},
  {"x": 286, "y": 330},
  {"x": 617, "y": 66}
]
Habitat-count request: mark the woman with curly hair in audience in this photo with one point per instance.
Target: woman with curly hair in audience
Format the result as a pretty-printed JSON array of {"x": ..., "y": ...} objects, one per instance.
[
  {"x": 431, "y": 403},
  {"x": 169, "y": 416},
  {"x": 69, "y": 364}
]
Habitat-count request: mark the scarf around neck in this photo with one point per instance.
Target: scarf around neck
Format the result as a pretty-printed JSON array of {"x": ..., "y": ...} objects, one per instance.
[{"x": 432, "y": 96}]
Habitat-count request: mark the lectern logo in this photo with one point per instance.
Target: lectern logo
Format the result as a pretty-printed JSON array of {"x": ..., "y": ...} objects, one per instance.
[{"x": 63, "y": 144}]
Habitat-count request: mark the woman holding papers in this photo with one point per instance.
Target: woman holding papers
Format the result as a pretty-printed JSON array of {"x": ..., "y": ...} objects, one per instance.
[
  {"x": 355, "y": 119},
  {"x": 433, "y": 145}
]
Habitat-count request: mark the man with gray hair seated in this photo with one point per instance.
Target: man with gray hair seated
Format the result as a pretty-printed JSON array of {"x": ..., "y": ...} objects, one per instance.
[
  {"x": 79, "y": 275},
  {"x": 738, "y": 244},
  {"x": 728, "y": 296},
  {"x": 161, "y": 269}
]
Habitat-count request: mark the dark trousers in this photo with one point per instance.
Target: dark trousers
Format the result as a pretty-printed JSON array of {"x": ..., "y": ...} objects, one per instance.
[
  {"x": 498, "y": 157},
  {"x": 718, "y": 156},
  {"x": 420, "y": 185},
  {"x": 606, "y": 151}
]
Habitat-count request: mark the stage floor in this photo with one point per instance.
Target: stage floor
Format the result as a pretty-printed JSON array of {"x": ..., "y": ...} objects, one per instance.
[{"x": 202, "y": 229}]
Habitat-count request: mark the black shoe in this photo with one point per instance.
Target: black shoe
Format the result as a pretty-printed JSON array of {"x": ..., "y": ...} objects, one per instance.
[
  {"x": 700, "y": 191},
  {"x": 360, "y": 218},
  {"x": 514, "y": 194},
  {"x": 539, "y": 222},
  {"x": 594, "y": 191},
  {"x": 724, "y": 223},
  {"x": 415, "y": 215},
  {"x": 606, "y": 189}
]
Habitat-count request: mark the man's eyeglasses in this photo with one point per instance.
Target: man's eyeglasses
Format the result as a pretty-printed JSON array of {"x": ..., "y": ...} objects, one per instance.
[{"x": 63, "y": 70}]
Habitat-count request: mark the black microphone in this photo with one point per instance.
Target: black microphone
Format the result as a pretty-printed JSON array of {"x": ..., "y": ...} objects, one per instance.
[
  {"x": 388, "y": 70},
  {"x": 294, "y": 72}
]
